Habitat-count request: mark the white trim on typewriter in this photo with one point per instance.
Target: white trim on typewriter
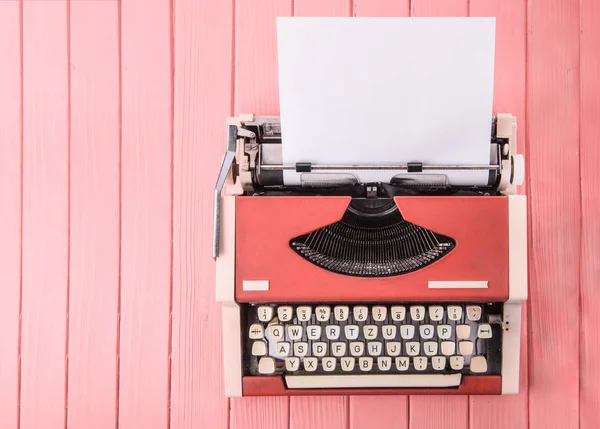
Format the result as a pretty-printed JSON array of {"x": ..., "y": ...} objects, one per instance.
[
  {"x": 511, "y": 348},
  {"x": 517, "y": 248},
  {"x": 225, "y": 293}
]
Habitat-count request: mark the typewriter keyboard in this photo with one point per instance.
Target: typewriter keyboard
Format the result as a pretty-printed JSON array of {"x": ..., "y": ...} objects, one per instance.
[{"x": 346, "y": 345}]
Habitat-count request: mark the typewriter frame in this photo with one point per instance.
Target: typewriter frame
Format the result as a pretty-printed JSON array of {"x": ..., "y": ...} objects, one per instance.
[{"x": 228, "y": 291}]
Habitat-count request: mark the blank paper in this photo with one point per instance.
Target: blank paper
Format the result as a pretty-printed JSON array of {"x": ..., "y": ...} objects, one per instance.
[{"x": 386, "y": 91}]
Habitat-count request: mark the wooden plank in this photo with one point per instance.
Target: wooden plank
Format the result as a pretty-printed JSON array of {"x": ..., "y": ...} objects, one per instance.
[
  {"x": 45, "y": 215},
  {"x": 381, "y": 7},
  {"x": 146, "y": 214},
  {"x": 553, "y": 145},
  {"x": 509, "y": 97},
  {"x": 203, "y": 70},
  {"x": 10, "y": 210},
  {"x": 391, "y": 411},
  {"x": 259, "y": 412},
  {"x": 439, "y": 7},
  {"x": 256, "y": 91},
  {"x": 322, "y": 8},
  {"x": 431, "y": 411},
  {"x": 256, "y": 82},
  {"x": 95, "y": 224},
  {"x": 318, "y": 412},
  {"x": 449, "y": 412},
  {"x": 589, "y": 379}
]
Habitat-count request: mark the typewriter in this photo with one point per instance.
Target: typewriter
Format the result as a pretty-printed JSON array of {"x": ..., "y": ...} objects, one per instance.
[{"x": 334, "y": 286}]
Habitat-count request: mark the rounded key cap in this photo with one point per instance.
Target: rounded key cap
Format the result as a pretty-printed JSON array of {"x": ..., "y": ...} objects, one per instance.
[
  {"x": 313, "y": 332},
  {"x": 370, "y": 332},
  {"x": 285, "y": 313},
  {"x": 436, "y": 313},
  {"x": 338, "y": 348},
  {"x": 357, "y": 348},
  {"x": 465, "y": 348},
  {"x": 384, "y": 363},
  {"x": 347, "y": 363},
  {"x": 426, "y": 331},
  {"x": 283, "y": 348},
  {"x": 319, "y": 348},
  {"x": 430, "y": 348},
  {"x": 322, "y": 313},
  {"x": 389, "y": 332},
  {"x": 463, "y": 332},
  {"x": 365, "y": 363},
  {"x": 374, "y": 348},
  {"x": 265, "y": 313},
  {"x": 454, "y": 312},
  {"x": 444, "y": 331},
  {"x": 328, "y": 364},
  {"x": 412, "y": 348},
  {"x": 393, "y": 348},
  {"x": 332, "y": 332},
  {"x": 259, "y": 348},
  {"x": 266, "y": 365},
  {"x": 457, "y": 362},
  {"x": 379, "y": 313},
  {"x": 310, "y": 364},
  {"x": 478, "y": 364},
  {"x": 438, "y": 363},
  {"x": 398, "y": 313},
  {"x": 303, "y": 313},
  {"x": 484, "y": 330},
  {"x": 407, "y": 332},
  {"x": 294, "y": 332},
  {"x": 420, "y": 363},
  {"x": 402, "y": 363},
  {"x": 292, "y": 364},
  {"x": 256, "y": 331},
  {"x": 417, "y": 312},
  {"x": 300, "y": 349},
  {"x": 474, "y": 312},
  {"x": 341, "y": 312},
  {"x": 448, "y": 348},
  {"x": 351, "y": 332},
  {"x": 275, "y": 332},
  {"x": 360, "y": 313}
]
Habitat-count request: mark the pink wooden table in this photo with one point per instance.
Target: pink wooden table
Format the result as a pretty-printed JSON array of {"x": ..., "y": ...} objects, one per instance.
[{"x": 111, "y": 134}]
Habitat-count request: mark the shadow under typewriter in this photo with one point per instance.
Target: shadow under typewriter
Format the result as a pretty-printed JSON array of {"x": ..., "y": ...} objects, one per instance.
[{"x": 372, "y": 240}]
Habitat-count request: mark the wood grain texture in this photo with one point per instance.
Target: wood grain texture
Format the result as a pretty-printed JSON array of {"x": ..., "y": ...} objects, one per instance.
[
  {"x": 381, "y": 7},
  {"x": 439, "y": 7},
  {"x": 431, "y": 411},
  {"x": 259, "y": 412},
  {"x": 256, "y": 81},
  {"x": 553, "y": 149},
  {"x": 589, "y": 378},
  {"x": 509, "y": 97},
  {"x": 389, "y": 412},
  {"x": 45, "y": 215},
  {"x": 318, "y": 412},
  {"x": 10, "y": 210},
  {"x": 322, "y": 8},
  {"x": 448, "y": 412},
  {"x": 146, "y": 214},
  {"x": 95, "y": 217},
  {"x": 203, "y": 89},
  {"x": 256, "y": 91}
]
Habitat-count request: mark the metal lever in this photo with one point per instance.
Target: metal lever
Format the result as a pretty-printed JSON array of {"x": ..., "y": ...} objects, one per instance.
[{"x": 232, "y": 135}]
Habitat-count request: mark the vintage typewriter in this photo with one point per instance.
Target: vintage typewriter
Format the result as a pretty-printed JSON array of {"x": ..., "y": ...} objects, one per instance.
[{"x": 339, "y": 287}]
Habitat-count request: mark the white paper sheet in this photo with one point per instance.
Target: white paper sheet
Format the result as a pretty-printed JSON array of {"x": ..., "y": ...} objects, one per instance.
[{"x": 387, "y": 91}]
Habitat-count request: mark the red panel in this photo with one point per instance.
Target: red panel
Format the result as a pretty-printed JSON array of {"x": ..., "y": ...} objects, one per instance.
[
  {"x": 265, "y": 225},
  {"x": 274, "y": 386}
]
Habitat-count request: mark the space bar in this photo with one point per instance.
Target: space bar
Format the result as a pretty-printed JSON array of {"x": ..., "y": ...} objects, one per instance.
[{"x": 371, "y": 380}]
